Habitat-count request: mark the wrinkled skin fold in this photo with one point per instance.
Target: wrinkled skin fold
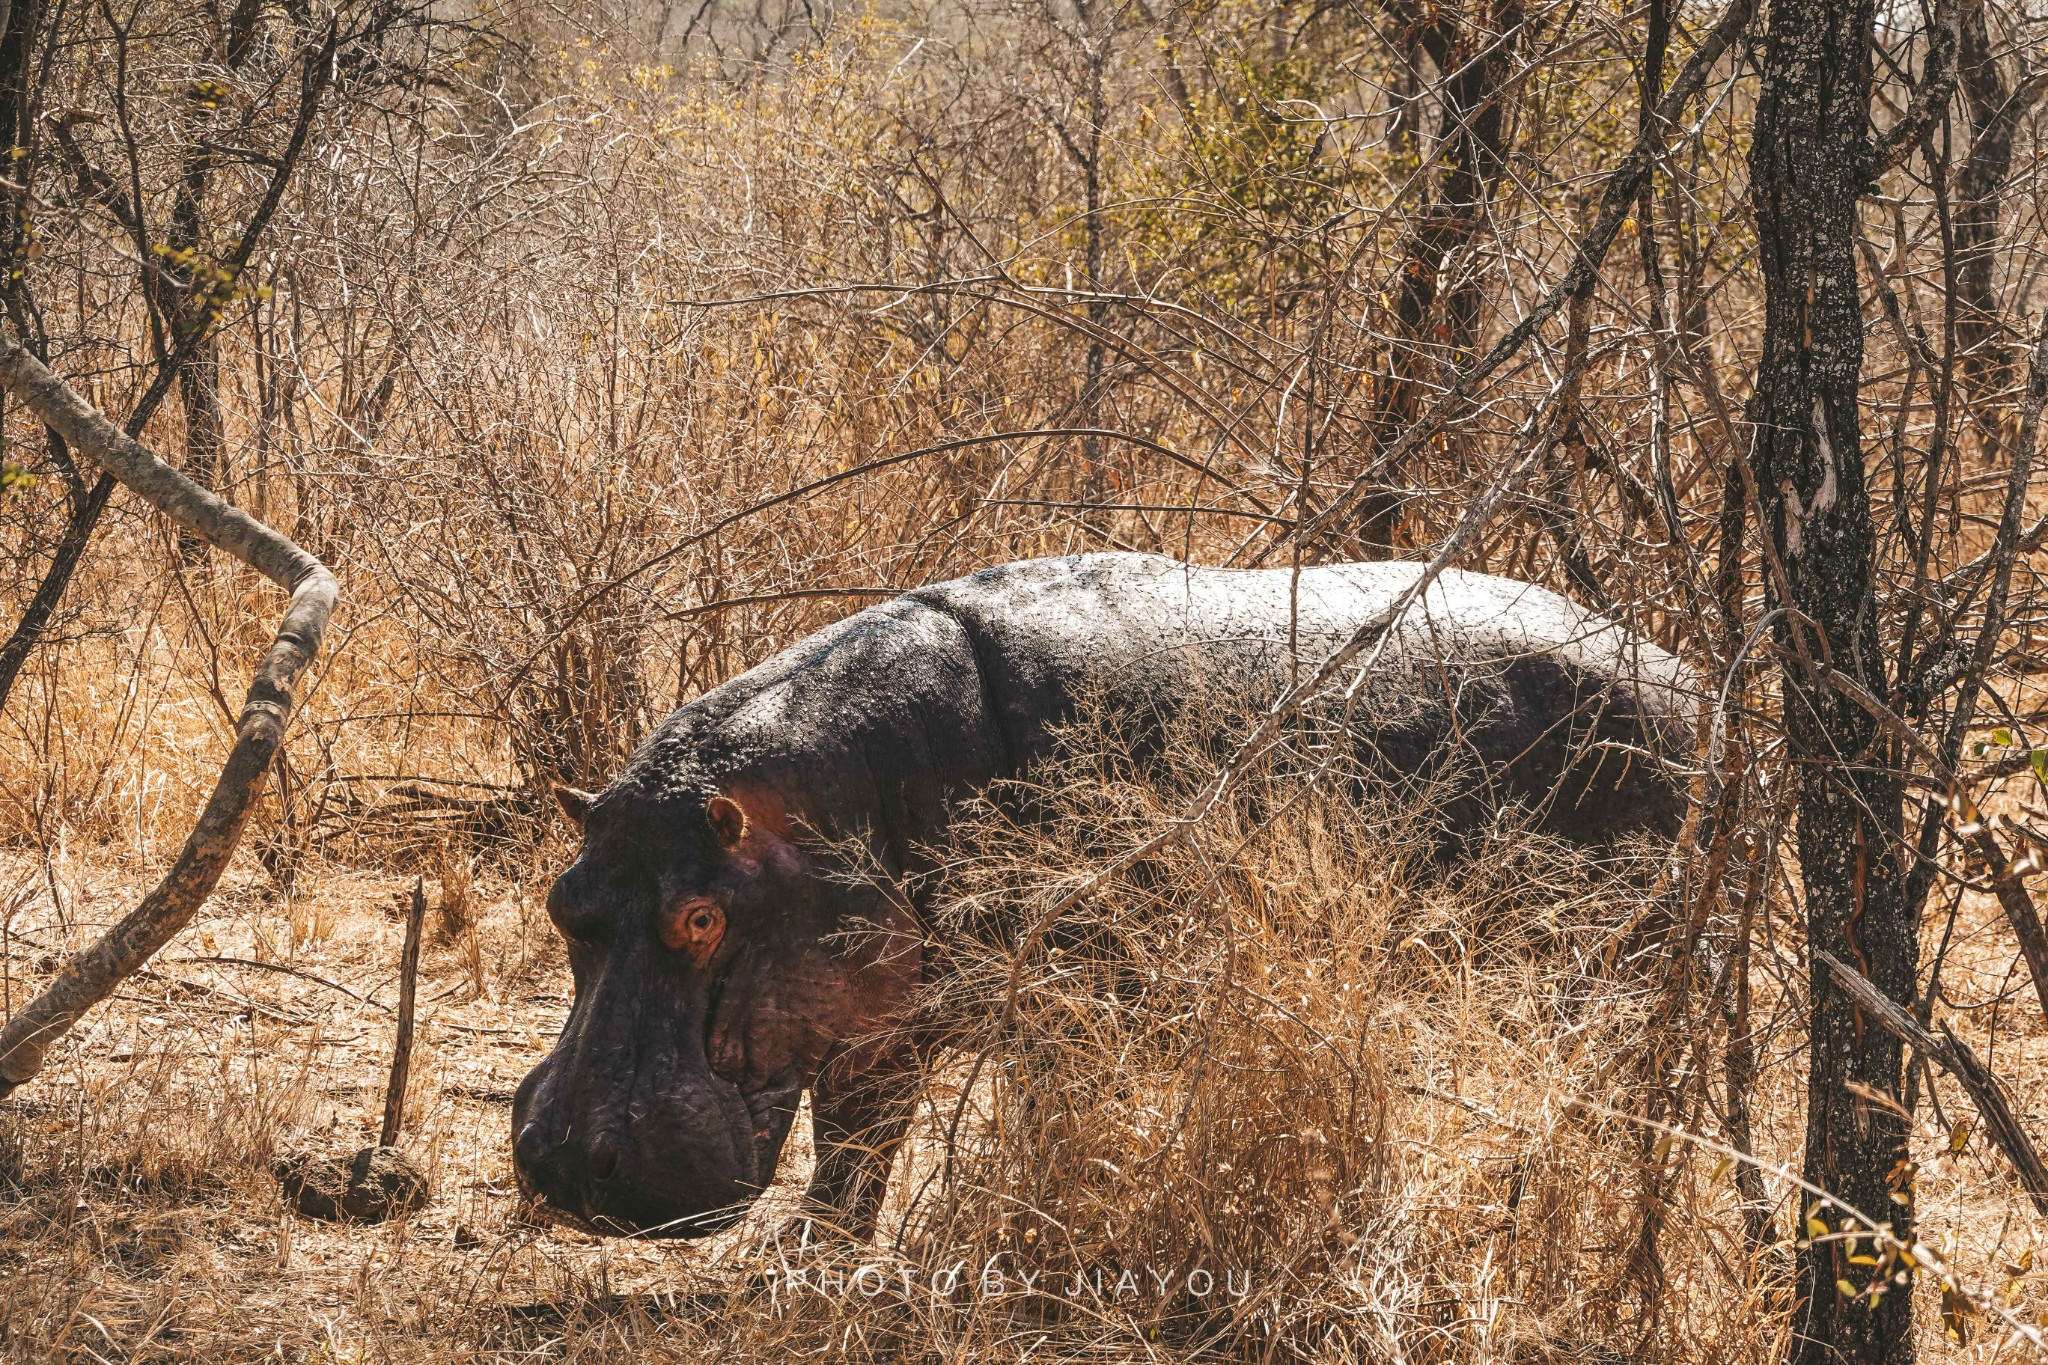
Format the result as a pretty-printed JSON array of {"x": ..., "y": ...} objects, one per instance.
[{"x": 723, "y": 968}]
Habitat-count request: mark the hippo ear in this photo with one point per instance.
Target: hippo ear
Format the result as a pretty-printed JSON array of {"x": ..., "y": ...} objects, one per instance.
[
  {"x": 575, "y": 804},
  {"x": 728, "y": 820}
]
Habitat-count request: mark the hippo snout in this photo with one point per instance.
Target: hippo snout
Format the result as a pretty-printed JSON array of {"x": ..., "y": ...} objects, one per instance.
[{"x": 681, "y": 1161}]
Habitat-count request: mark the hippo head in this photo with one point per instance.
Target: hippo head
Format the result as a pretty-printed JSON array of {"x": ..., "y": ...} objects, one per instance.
[{"x": 716, "y": 974}]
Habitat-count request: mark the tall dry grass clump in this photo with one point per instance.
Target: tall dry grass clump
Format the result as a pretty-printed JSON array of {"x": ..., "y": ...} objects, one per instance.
[
  {"x": 1298, "y": 1088},
  {"x": 1303, "y": 1086}
]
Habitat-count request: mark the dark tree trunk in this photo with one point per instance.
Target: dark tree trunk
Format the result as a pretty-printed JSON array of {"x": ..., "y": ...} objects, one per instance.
[
  {"x": 1809, "y": 163},
  {"x": 42, "y": 608},
  {"x": 18, "y": 101},
  {"x": 205, "y": 425},
  {"x": 1473, "y": 60},
  {"x": 1997, "y": 111},
  {"x": 189, "y": 306}
]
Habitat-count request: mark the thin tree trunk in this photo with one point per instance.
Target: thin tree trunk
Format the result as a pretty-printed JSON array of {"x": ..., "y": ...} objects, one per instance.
[
  {"x": 1617, "y": 200},
  {"x": 1095, "y": 361},
  {"x": 179, "y": 349},
  {"x": 1809, "y": 162},
  {"x": 1474, "y": 60},
  {"x": 1996, "y": 113},
  {"x": 192, "y": 307},
  {"x": 23, "y": 22},
  {"x": 42, "y": 608}
]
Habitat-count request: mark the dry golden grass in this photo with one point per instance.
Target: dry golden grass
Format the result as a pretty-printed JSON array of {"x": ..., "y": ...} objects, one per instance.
[{"x": 1392, "y": 1110}]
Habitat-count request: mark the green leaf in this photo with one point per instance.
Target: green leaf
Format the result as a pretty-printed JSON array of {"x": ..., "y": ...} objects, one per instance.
[{"x": 2002, "y": 736}]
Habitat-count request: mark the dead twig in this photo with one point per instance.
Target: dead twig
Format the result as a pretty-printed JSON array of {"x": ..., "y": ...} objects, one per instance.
[{"x": 1954, "y": 1056}]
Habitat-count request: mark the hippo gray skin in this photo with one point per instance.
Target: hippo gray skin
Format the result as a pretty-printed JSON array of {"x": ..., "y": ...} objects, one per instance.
[{"x": 720, "y": 971}]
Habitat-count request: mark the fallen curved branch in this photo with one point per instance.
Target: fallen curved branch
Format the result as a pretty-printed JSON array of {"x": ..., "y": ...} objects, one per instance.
[{"x": 91, "y": 975}]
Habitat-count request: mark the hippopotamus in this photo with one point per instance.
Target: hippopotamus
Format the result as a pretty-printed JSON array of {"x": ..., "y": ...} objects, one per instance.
[{"x": 725, "y": 964}]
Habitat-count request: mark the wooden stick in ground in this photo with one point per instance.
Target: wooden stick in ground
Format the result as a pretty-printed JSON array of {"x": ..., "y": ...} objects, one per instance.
[
  {"x": 1954, "y": 1056},
  {"x": 401, "y": 1051},
  {"x": 91, "y": 975}
]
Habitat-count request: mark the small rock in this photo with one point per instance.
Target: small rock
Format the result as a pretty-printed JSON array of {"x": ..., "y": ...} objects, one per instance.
[{"x": 375, "y": 1184}]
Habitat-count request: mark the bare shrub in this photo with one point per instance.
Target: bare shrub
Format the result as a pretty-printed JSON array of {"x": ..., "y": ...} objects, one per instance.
[{"x": 607, "y": 353}]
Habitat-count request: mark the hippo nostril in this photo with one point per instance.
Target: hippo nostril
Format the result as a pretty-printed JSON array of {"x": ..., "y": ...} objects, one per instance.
[{"x": 604, "y": 1157}]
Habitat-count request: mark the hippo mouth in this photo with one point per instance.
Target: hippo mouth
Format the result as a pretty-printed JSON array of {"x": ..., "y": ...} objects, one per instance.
[
  {"x": 687, "y": 1164},
  {"x": 540, "y": 1209}
]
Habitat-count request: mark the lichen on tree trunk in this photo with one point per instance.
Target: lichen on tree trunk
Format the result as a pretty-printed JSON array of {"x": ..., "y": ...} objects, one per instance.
[{"x": 1809, "y": 164}]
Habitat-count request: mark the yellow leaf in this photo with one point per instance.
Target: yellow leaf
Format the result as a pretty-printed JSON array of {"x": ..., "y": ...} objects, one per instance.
[{"x": 1956, "y": 1312}]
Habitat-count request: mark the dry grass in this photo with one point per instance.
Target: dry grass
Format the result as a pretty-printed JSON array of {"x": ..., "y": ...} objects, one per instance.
[{"x": 1392, "y": 1110}]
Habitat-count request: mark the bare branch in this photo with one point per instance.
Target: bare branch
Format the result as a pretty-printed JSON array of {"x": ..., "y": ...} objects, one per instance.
[
  {"x": 91, "y": 975},
  {"x": 1954, "y": 1056},
  {"x": 1937, "y": 83},
  {"x": 1617, "y": 201}
]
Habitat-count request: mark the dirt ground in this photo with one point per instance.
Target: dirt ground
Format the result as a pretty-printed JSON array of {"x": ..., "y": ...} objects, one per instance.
[{"x": 143, "y": 1221}]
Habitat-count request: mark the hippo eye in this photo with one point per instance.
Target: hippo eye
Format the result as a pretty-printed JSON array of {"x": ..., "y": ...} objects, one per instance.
[{"x": 695, "y": 928}]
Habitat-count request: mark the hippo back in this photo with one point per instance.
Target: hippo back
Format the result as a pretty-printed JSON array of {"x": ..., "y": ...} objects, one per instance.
[
  {"x": 884, "y": 719},
  {"x": 1504, "y": 688}
]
